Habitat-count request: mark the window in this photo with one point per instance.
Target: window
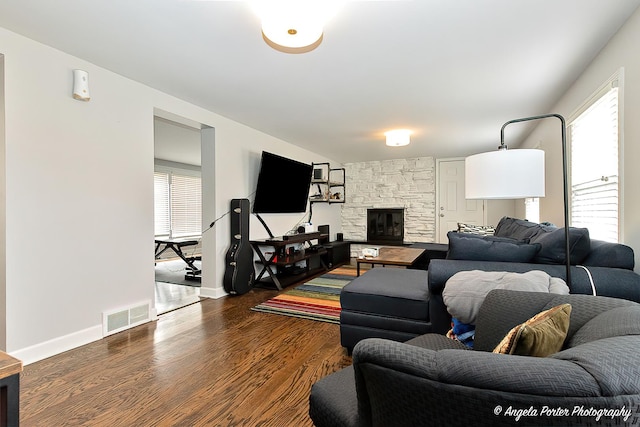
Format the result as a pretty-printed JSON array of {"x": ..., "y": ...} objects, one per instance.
[
  {"x": 177, "y": 203},
  {"x": 594, "y": 165},
  {"x": 532, "y": 209}
]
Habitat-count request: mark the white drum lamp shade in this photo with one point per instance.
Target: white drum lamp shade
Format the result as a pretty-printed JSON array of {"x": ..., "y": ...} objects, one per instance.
[{"x": 505, "y": 174}]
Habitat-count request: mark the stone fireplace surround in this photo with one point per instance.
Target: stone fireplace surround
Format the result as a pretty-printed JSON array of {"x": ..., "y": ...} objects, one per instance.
[{"x": 408, "y": 184}]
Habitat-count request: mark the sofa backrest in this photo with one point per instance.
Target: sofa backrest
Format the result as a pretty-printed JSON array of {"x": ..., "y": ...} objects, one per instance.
[
  {"x": 607, "y": 254},
  {"x": 550, "y": 238},
  {"x": 504, "y": 309},
  {"x": 583, "y": 250}
]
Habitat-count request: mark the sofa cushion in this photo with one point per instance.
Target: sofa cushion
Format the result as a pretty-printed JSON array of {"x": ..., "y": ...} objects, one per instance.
[
  {"x": 519, "y": 229},
  {"x": 552, "y": 245},
  {"x": 550, "y": 238},
  {"x": 394, "y": 292},
  {"x": 612, "y": 362},
  {"x": 616, "y": 322},
  {"x": 540, "y": 336},
  {"x": 465, "y": 246},
  {"x": 607, "y": 254},
  {"x": 528, "y": 376}
]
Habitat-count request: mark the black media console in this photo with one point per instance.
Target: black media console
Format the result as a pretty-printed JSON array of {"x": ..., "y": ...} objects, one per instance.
[{"x": 279, "y": 258}]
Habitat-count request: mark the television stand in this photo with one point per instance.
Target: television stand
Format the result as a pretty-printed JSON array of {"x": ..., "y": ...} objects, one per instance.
[{"x": 278, "y": 264}]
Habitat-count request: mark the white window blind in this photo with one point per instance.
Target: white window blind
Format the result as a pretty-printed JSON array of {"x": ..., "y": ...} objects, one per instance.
[
  {"x": 594, "y": 167},
  {"x": 532, "y": 209},
  {"x": 177, "y": 204},
  {"x": 186, "y": 206},
  {"x": 161, "y": 204}
]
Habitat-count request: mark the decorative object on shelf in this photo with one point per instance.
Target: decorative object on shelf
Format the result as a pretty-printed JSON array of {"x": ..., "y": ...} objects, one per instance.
[
  {"x": 516, "y": 174},
  {"x": 329, "y": 183}
]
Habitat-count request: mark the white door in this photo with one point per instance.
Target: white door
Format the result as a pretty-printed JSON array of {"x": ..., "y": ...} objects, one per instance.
[{"x": 452, "y": 205}]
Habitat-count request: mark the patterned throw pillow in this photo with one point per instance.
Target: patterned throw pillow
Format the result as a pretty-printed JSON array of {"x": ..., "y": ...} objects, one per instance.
[
  {"x": 540, "y": 336},
  {"x": 483, "y": 230}
]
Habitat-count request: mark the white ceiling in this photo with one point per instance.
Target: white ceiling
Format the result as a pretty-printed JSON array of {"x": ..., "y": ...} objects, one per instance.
[{"x": 451, "y": 70}]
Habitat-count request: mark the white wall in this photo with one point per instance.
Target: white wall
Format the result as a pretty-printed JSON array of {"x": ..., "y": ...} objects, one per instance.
[
  {"x": 621, "y": 51},
  {"x": 79, "y": 183},
  {"x": 176, "y": 143}
]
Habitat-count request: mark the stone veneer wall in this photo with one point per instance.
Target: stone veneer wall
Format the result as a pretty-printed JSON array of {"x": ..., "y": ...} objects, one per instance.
[{"x": 401, "y": 183}]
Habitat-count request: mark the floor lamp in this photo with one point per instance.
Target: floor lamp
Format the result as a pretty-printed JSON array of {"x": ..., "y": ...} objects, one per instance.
[{"x": 516, "y": 174}]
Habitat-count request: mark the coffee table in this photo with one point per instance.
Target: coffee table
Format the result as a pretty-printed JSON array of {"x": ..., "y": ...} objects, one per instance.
[{"x": 391, "y": 255}]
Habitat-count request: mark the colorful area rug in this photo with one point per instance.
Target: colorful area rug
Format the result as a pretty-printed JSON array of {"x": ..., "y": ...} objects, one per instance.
[{"x": 317, "y": 299}]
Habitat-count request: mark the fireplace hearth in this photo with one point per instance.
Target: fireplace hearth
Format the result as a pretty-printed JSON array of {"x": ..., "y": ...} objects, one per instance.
[{"x": 385, "y": 226}]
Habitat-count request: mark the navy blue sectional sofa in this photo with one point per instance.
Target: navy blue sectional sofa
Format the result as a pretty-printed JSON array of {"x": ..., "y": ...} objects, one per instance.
[{"x": 597, "y": 267}]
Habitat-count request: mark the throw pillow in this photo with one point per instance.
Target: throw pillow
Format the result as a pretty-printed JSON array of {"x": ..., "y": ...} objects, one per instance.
[
  {"x": 489, "y": 248},
  {"x": 540, "y": 336},
  {"x": 483, "y": 230},
  {"x": 552, "y": 246},
  {"x": 519, "y": 229}
]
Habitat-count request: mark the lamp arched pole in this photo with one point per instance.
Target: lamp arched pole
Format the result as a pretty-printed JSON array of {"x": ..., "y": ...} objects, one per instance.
[{"x": 565, "y": 179}]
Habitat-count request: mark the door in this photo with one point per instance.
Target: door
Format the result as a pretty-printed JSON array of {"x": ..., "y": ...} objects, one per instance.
[{"x": 452, "y": 205}]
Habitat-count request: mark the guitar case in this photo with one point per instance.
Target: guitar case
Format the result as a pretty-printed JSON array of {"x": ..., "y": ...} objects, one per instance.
[{"x": 239, "y": 271}]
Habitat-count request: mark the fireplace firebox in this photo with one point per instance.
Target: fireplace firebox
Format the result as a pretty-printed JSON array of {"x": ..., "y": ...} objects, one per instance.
[{"x": 385, "y": 225}]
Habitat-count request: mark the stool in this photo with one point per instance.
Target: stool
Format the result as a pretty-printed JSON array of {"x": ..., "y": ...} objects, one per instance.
[{"x": 391, "y": 303}]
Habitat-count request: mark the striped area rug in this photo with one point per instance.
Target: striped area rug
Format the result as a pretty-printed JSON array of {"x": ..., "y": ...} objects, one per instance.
[{"x": 317, "y": 299}]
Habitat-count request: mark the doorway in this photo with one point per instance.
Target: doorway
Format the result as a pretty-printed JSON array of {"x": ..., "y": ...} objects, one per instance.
[
  {"x": 177, "y": 211},
  {"x": 453, "y": 207}
]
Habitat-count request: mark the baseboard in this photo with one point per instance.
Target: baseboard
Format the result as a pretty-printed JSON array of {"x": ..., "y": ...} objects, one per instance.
[
  {"x": 58, "y": 345},
  {"x": 214, "y": 293}
]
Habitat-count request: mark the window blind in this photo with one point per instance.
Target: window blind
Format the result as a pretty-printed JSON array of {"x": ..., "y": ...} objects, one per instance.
[
  {"x": 177, "y": 203},
  {"x": 161, "y": 204},
  {"x": 594, "y": 167},
  {"x": 186, "y": 206}
]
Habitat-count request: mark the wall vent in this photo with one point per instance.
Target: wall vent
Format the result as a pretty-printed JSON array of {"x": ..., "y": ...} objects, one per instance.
[{"x": 125, "y": 318}]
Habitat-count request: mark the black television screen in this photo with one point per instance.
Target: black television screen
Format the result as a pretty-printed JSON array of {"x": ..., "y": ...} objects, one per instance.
[{"x": 283, "y": 185}]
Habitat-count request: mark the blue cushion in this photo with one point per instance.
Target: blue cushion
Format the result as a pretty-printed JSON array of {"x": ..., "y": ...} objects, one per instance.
[
  {"x": 519, "y": 229},
  {"x": 553, "y": 249},
  {"x": 606, "y": 254},
  {"x": 489, "y": 248}
]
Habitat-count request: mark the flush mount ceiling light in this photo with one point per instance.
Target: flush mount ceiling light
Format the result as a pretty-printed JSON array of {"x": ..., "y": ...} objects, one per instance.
[
  {"x": 294, "y": 26},
  {"x": 398, "y": 137}
]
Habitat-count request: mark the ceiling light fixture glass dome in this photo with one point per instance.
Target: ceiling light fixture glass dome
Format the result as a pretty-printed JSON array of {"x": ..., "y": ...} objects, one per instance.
[
  {"x": 398, "y": 137},
  {"x": 294, "y": 26}
]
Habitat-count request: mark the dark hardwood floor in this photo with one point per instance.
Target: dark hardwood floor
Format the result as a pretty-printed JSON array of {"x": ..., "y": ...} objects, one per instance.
[{"x": 213, "y": 363}]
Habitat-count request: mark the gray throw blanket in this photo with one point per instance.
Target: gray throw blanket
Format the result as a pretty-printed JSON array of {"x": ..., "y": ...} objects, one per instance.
[{"x": 465, "y": 291}]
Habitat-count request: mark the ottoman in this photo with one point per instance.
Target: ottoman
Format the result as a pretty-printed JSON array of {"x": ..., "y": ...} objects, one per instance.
[{"x": 391, "y": 303}]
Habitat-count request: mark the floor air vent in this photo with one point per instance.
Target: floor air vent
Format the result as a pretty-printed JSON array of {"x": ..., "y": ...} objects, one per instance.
[{"x": 119, "y": 320}]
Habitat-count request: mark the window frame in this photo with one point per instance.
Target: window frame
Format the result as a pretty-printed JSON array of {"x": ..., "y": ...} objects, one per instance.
[{"x": 615, "y": 80}]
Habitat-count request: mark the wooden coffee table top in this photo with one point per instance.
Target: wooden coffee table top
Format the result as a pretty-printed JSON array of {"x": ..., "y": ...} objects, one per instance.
[{"x": 394, "y": 255}]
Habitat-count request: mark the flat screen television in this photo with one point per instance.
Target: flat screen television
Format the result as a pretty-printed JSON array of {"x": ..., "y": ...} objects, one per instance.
[{"x": 283, "y": 185}]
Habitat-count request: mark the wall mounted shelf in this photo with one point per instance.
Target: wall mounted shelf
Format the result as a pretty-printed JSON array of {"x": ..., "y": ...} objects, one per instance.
[{"x": 328, "y": 184}]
